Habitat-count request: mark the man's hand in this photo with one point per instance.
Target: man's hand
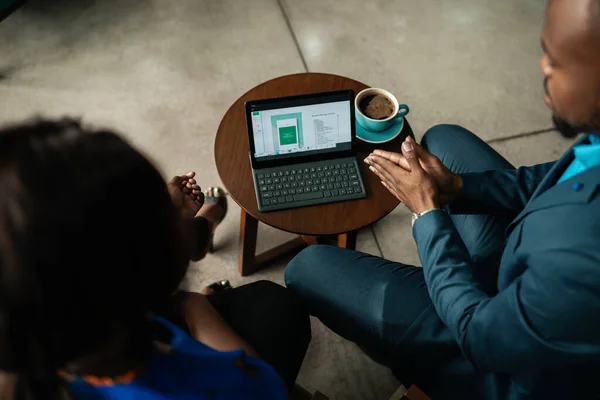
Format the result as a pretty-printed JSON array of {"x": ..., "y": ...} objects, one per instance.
[
  {"x": 449, "y": 183},
  {"x": 186, "y": 195},
  {"x": 413, "y": 187}
]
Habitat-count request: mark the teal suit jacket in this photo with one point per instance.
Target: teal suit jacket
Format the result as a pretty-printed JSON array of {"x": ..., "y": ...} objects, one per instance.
[{"x": 539, "y": 336}]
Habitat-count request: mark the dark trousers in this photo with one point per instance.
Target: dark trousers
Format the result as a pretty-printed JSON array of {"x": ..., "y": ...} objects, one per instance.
[
  {"x": 385, "y": 307},
  {"x": 266, "y": 315},
  {"x": 272, "y": 320}
]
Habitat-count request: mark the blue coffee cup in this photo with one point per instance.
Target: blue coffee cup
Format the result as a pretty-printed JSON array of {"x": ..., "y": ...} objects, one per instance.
[{"x": 378, "y": 125}]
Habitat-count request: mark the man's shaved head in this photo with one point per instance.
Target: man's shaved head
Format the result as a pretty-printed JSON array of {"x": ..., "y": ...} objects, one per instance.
[{"x": 571, "y": 64}]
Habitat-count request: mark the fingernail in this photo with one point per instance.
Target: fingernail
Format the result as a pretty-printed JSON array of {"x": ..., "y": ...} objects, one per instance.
[
  {"x": 407, "y": 146},
  {"x": 372, "y": 169},
  {"x": 367, "y": 161}
]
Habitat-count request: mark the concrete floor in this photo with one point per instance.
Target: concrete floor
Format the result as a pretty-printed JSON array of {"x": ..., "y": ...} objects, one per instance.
[{"x": 164, "y": 72}]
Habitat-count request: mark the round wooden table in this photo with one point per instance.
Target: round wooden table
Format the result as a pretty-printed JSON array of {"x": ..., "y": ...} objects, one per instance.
[{"x": 342, "y": 219}]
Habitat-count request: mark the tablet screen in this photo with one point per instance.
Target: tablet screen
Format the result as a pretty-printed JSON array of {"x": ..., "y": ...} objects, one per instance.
[{"x": 301, "y": 127}]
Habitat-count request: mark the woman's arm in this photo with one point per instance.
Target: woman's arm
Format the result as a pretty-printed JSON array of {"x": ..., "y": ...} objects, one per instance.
[
  {"x": 206, "y": 325},
  {"x": 7, "y": 385}
]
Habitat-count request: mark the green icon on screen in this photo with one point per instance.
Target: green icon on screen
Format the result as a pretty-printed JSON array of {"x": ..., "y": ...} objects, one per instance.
[
  {"x": 255, "y": 113},
  {"x": 287, "y": 135}
]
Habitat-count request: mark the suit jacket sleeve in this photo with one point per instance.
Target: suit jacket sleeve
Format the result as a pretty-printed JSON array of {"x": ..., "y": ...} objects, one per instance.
[
  {"x": 499, "y": 191},
  {"x": 525, "y": 325}
]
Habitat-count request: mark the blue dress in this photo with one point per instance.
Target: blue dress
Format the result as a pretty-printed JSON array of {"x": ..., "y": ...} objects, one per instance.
[{"x": 191, "y": 370}]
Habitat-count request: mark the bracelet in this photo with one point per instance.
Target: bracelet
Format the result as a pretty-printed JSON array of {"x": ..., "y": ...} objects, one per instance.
[{"x": 415, "y": 216}]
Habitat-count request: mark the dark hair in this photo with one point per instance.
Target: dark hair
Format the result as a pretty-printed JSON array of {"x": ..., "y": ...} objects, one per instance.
[{"x": 89, "y": 242}]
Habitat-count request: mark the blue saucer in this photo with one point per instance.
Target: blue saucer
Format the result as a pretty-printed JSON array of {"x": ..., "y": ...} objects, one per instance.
[{"x": 379, "y": 137}]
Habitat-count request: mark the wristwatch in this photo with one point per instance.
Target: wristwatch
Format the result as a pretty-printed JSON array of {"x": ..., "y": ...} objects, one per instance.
[{"x": 420, "y": 214}]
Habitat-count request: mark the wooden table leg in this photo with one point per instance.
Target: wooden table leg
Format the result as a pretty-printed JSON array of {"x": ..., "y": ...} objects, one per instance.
[
  {"x": 248, "y": 261},
  {"x": 347, "y": 240},
  {"x": 248, "y": 234}
]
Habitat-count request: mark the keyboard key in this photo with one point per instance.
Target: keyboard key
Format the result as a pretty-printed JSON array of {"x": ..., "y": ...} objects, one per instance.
[
  {"x": 345, "y": 177},
  {"x": 325, "y": 167},
  {"x": 338, "y": 185},
  {"x": 331, "y": 180},
  {"x": 342, "y": 191},
  {"x": 313, "y": 175},
  {"x": 276, "y": 180},
  {"x": 319, "y": 169},
  {"x": 266, "y": 202},
  {"x": 285, "y": 192},
  {"x": 307, "y": 189},
  {"x": 284, "y": 179},
  {"x": 279, "y": 187},
  {"x": 287, "y": 186},
  {"x": 281, "y": 200},
  {"x": 330, "y": 186},
  {"x": 280, "y": 173},
  {"x": 353, "y": 177},
  {"x": 309, "y": 182},
  {"x": 344, "y": 171},
  {"x": 306, "y": 171},
  {"x": 313, "y": 169},
  {"x": 301, "y": 183},
  {"x": 293, "y": 172},
  {"x": 274, "y": 201},
  {"x": 269, "y": 181},
  {"x": 267, "y": 175},
  {"x": 261, "y": 182},
  {"x": 306, "y": 176},
  {"x": 345, "y": 184},
  {"x": 328, "y": 173},
  {"x": 338, "y": 179},
  {"x": 264, "y": 188},
  {"x": 357, "y": 190},
  {"x": 267, "y": 195},
  {"x": 315, "y": 188},
  {"x": 271, "y": 187},
  {"x": 338, "y": 166},
  {"x": 355, "y": 183},
  {"x": 261, "y": 176},
  {"x": 300, "y": 190},
  {"x": 289, "y": 199},
  {"x": 321, "y": 174},
  {"x": 277, "y": 193},
  {"x": 352, "y": 170},
  {"x": 335, "y": 192},
  {"x": 292, "y": 191},
  {"x": 327, "y": 193},
  {"x": 336, "y": 172},
  {"x": 323, "y": 187},
  {"x": 287, "y": 173},
  {"x": 294, "y": 184},
  {"x": 308, "y": 196}
]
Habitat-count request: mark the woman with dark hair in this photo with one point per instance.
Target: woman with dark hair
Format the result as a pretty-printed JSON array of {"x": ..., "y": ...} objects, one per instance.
[{"x": 92, "y": 246}]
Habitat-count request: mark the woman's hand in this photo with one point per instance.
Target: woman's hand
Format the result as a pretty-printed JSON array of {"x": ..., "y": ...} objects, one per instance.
[{"x": 186, "y": 195}]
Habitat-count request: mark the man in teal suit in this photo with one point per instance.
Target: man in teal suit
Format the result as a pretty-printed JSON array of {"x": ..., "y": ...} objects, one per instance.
[{"x": 507, "y": 302}]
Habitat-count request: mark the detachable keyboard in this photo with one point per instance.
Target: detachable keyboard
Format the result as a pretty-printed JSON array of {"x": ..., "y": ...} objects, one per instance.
[{"x": 308, "y": 184}]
